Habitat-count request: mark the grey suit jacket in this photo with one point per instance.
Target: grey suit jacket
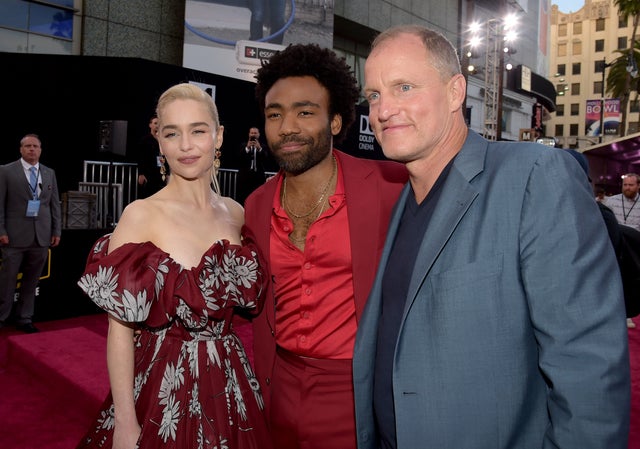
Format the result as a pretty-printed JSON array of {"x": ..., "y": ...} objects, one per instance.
[
  {"x": 15, "y": 193},
  {"x": 513, "y": 333}
]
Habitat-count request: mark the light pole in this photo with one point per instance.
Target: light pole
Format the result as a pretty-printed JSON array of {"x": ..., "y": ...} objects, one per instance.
[
  {"x": 602, "y": 100},
  {"x": 497, "y": 34}
]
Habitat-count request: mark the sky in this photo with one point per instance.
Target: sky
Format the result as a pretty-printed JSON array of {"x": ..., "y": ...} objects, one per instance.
[{"x": 567, "y": 6}]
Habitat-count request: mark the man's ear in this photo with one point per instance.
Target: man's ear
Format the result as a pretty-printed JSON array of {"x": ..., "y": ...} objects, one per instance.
[{"x": 336, "y": 124}]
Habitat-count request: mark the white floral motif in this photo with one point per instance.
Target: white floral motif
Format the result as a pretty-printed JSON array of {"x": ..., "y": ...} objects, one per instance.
[
  {"x": 163, "y": 269},
  {"x": 195, "y": 409},
  {"x": 101, "y": 287},
  {"x": 233, "y": 388},
  {"x": 135, "y": 308},
  {"x": 246, "y": 271},
  {"x": 212, "y": 352},
  {"x": 190, "y": 349},
  {"x": 107, "y": 418},
  {"x": 171, "y": 380},
  {"x": 209, "y": 282},
  {"x": 170, "y": 418}
]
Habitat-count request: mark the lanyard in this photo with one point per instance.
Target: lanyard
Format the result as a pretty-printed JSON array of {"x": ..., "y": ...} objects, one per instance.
[{"x": 628, "y": 213}]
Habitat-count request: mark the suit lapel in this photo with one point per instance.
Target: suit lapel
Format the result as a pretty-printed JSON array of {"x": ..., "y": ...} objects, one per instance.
[
  {"x": 361, "y": 228},
  {"x": 20, "y": 178},
  {"x": 457, "y": 196}
]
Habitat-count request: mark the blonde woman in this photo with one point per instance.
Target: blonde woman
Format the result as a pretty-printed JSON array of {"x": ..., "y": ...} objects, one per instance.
[{"x": 175, "y": 267}]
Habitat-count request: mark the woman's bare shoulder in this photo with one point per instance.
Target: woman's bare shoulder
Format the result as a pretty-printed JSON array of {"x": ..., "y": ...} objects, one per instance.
[{"x": 136, "y": 223}]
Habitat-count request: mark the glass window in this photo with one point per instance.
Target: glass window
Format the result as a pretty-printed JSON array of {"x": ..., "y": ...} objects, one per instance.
[
  {"x": 559, "y": 110},
  {"x": 562, "y": 29},
  {"x": 598, "y": 66},
  {"x": 599, "y": 44},
  {"x": 575, "y": 68},
  {"x": 600, "y": 24},
  {"x": 562, "y": 49},
  {"x": 559, "y": 130},
  {"x": 38, "y": 18},
  {"x": 622, "y": 43},
  {"x": 575, "y": 109},
  {"x": 562, "y": 69},
  {"x": 573, "y": 129},
  {"x": 577, "y": 28},
  {"x": 68, "y": 3},
  {"x": 597, "y": 87},
  {"x": 15, "y": 14},
  {"x": 622, "y": 22},
  {"x": 577, "y": 48},
  {"x": 575, "y": 88},
  {"x": 633, "y": 127},
  {"x": 634, "y": 106},
  {"x": 51, "y": 21}
]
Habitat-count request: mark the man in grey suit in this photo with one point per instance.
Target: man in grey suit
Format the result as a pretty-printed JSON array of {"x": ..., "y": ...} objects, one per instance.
[
  {"x": 496, "y": 320},
  {"x": 29, "y": 225}
]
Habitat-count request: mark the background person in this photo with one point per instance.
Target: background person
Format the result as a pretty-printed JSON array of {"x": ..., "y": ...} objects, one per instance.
[
  {"x": 269, "y": 13},
  {"x": 624, "y": 204},
  {"x": 253, "y": 161},
  {"x": 149, "y": 162},
  {"x": 175, "y": 268},
  {"x": 320, "y": 223},
  {"x": 30, "y": 223},
  {"x": 627, "y": 211},
  {"x": 496, "y": 316}
]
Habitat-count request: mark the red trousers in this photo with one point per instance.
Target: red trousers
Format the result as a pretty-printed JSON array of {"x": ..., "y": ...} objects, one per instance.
[{"x": 312, "y": 403}]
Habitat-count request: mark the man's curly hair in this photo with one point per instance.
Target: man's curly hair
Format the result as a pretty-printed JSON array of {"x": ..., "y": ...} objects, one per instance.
[{"x": 323, "y": 64}]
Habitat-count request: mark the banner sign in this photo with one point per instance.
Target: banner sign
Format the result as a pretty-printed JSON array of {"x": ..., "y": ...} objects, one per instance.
[
  {"x": 611, "y": 116},
  {"x": 233, "y": 37}
]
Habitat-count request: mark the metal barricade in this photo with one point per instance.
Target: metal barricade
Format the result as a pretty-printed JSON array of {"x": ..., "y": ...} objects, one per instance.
[
  {"x": 228, "y": 178},
  {"x": 108, "y": 203},
  {"x": 124, "y": 173},
  {"x": 115, "y": 185}
]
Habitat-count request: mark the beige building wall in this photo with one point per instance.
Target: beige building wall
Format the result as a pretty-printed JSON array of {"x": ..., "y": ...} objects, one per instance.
[{"x": 575, "y": 40}]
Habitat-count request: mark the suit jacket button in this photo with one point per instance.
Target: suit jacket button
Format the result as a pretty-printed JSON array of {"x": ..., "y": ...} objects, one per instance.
[{"x": 268, "y": 381}]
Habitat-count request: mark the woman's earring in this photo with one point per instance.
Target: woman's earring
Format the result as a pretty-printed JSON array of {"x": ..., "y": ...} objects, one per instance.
[
  {"x": 163, "y": 169},
  {"x": 216, "y": 158}
]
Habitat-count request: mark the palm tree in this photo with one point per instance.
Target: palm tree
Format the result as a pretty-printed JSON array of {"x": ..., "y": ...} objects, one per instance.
[{"x": 620, "y": 80}]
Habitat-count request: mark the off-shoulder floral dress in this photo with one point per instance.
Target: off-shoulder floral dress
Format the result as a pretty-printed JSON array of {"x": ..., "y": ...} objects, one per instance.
[{"x": 193, "y": 385}]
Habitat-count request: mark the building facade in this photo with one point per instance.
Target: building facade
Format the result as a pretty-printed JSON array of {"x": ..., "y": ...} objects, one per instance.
[
  {"x": 154, "y": 30},
  {"x": 583, "y": 43}
]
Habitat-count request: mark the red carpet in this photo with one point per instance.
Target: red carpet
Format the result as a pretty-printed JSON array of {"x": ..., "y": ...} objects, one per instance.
[
  {"x": 53, "y": 382},
  {"x": 634, "y": 355}
]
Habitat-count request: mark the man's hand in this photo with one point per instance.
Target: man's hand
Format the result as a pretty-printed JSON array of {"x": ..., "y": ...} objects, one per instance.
[{"x": 4, "y": 239}]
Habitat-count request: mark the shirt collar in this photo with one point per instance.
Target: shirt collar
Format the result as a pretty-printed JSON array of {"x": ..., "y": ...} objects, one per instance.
[{"x": 27, "y": 165}]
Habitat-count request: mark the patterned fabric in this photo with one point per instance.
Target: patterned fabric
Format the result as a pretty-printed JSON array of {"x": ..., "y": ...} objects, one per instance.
[{"x": 193, "y": 384}]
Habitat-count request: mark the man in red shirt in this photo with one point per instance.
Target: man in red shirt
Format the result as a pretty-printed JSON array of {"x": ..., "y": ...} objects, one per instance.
[{"x": 321, "y": 224}]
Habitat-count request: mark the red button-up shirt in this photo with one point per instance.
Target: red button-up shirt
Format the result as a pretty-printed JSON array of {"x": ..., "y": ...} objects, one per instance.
[{"x": 315, "y": 309}]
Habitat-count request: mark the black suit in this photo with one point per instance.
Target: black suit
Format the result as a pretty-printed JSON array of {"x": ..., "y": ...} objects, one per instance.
[{"x": 251, "y": 173}]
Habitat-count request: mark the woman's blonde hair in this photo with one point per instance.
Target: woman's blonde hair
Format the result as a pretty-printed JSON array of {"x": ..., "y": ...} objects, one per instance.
[{"x": 187, "y": 91}]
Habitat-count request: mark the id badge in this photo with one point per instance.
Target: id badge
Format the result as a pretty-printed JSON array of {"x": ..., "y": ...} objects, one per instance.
[{"x": 33, "y": 206}]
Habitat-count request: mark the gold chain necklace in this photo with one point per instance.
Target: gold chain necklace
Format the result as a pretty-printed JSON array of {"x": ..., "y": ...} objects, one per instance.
[{"x": 325, "y": 190}]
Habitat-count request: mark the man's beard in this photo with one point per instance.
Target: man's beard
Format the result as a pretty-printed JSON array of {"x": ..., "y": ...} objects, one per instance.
[{"x": 301, "y": 161}]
